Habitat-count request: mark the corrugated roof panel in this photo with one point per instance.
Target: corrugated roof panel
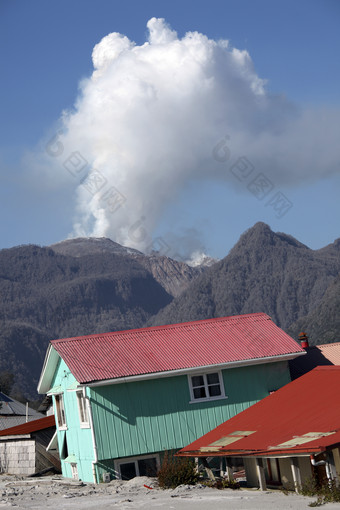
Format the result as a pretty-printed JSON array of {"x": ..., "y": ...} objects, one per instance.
[
  {"x": 31, "y": 426},
  {"x": 9, "y": 407},
  {"x": 303, "y": 416},
  {"x": 174, "y": 347},
  {"x": 331, "y": 352}
]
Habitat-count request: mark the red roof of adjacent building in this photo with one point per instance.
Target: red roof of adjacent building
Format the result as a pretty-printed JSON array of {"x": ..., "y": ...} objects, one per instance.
[
  {"x": 31, "y": 426},
  {"x": 331, "y": 352},
  {"x": 301, "y": 417},
  {"x": 174, "y": 347},
  {"x": 316, "y": 355}
]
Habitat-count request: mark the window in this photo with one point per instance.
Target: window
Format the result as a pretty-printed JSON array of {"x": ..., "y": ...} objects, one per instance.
[
  {"x": 82, "y": 408},
  {"x": 139, "y": 466},
  {"x": 128, "y": 470},
  {"x": 206, "y": 386},
  {"x": 74, "y": 471},
  {"x": 59, "y": 403}
]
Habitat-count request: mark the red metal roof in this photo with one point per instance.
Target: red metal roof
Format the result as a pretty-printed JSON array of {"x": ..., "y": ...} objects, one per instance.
[
  {"x": 31, "y": 426},
  {"x": 297, "y": 413},
  {"x": 174, "y": 347}
]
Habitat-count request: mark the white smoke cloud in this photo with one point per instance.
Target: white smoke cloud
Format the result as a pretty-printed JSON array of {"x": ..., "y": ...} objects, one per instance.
[{"x": 148, "y": 118}]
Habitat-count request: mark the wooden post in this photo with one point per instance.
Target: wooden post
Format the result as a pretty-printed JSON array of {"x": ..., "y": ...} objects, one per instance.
[
  {"x": 260, "y": 474},
  {"x": 333, "y": 461},
  {"x": 336, "y": 459},
  {"x": 221, "y": 467},
  {"x": 196, "y": 465},
  {"x": 331, "y": 471},
  {"x": 208, "y": 469},
  {"x": 294, "y": 464},
  {"x": 229, "y": 469}
]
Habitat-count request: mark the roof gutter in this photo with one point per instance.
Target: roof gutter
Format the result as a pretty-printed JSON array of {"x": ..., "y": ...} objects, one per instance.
[
  {"x": 204, "y": 368},
  {"x": 15, "y": 436},
  {"x": 246, "y": 453}
]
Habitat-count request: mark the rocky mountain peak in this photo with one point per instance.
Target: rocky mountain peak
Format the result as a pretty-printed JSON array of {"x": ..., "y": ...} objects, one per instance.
[
  {"x": 80, "y": 246},
  {"x": 259, "y": 238}
]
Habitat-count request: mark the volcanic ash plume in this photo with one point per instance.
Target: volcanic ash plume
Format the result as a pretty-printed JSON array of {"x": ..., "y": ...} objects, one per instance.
[{"x": 147, "y": 120}]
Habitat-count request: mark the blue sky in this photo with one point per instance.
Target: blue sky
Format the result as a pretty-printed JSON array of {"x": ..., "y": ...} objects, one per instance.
[{"x": 46, "y": 51}]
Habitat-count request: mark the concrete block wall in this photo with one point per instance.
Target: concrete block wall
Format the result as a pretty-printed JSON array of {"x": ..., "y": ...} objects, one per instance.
[{"x": 17, "y": 457}]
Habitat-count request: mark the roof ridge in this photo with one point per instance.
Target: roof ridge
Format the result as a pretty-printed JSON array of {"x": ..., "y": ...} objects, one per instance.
[
  {"x": 164, "y": 326},
  {"x": 327, "y": 345}
]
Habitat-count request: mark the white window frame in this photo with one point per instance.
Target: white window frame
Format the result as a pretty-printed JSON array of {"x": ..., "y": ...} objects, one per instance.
[
  {"x": 60, "y": 411},
  {"x": 82, "y": 409},
  {"x": 74, "y": 471},
  {"x": 127, "y": 460},
  {"x": 193, "y": 399}
]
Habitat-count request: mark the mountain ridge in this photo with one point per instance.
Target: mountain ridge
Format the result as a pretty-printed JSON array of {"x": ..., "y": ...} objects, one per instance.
[
  {"x": 265, "y": 271},
  {"x": 173, "y": 275}
]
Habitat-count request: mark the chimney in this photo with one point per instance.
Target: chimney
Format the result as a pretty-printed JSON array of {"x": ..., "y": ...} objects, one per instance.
[{"x": 303, "y": 338}]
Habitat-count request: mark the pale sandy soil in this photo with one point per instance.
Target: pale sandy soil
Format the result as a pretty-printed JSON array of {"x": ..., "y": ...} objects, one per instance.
[{"x": 32, "y": 493}]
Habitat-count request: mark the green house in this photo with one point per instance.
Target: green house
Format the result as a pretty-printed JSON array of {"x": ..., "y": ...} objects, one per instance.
[{"x": 121, "y": 399}]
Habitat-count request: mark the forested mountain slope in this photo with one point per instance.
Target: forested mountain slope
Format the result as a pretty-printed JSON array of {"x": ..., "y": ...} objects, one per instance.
[{"x": 264, "y": 272}]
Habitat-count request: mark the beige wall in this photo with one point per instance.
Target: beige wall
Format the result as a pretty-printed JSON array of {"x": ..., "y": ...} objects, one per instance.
[
  {"x": 285, "y": 471},
  {"x": 336, "y": 456},
  {"x": 305, "y": 468},
  {"x": 251, "y": 473}
]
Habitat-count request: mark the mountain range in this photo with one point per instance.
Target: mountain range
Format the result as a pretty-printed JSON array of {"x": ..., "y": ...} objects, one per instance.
[
  {"x": 90, "y": 285},
  {"x": 264, "y": 272}
]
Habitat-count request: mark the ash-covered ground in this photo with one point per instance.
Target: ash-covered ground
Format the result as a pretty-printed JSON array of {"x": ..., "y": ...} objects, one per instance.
[{"x": 138, "y": 493}]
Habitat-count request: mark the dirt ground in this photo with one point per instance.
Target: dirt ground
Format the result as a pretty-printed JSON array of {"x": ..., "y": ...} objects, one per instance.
[{"x": 58, "y": 493}]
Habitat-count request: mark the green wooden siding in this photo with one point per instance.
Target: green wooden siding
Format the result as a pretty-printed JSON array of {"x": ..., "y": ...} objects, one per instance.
[
  {"x": 154, "y": 415},
  {"x": 79, "y": 440}
]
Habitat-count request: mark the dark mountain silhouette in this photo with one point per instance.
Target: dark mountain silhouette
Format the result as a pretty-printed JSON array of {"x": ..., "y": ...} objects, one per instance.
[
  {"x": 323, "y": 323},
  {"x": 264, "y": 272}
]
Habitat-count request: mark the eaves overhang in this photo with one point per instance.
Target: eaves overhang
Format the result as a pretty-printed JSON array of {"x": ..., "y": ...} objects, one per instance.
[
  {"x": 48, "y": 370},
  {"x": 260, "y": 454},
  {"x": 298, "y": 451},
  {"x": 193, "y": 370}
]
